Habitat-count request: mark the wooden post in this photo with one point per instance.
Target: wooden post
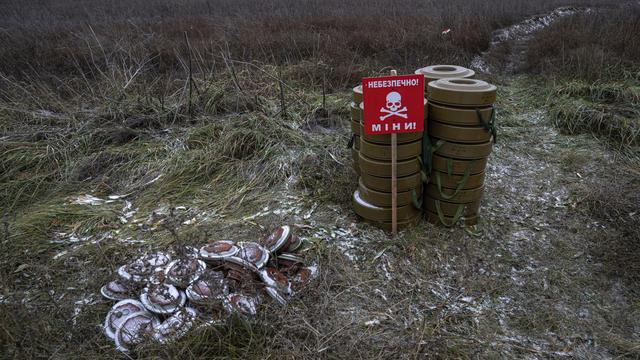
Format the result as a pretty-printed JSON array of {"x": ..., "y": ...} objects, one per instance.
[{"x": 394, "y": 179}]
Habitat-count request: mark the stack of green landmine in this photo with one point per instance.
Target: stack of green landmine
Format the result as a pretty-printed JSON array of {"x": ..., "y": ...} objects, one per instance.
[
  {"x": 372, "y": 199},
  {"x": 461, "y": 130}
]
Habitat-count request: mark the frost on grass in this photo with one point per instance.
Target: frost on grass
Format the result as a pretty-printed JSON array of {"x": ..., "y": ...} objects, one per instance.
[{"x": 518, "y": 35}]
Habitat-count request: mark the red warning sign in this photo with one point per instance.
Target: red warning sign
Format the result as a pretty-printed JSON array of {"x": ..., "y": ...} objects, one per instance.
[{"x": 393, "y": 104}]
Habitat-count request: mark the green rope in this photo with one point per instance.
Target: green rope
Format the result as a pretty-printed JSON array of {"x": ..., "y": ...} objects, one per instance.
[
  {"x": 449, "y": 166},
  {"x": 489, "y": 125},
  {"x": 438, "y": 145},
  {"x": 473, "y": 230},
  {"x": 455, "y": 218},
  {"x": 423, "y": 175},
  {"x": 414, "y": 200},
  {"x": 461, "y": 183}
]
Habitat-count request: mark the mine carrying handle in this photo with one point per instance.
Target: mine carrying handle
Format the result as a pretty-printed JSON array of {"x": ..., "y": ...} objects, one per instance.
[
  {"x": 461, "y": 183},
  {"x": 417, "y": 203},
  {"x": 423, "y": 170},
  {"x": 351, "y": 141},
  {"x": 455, "y": 218},
  {"x": 490, "y": 125},
  {"x": 427, "y": 152}
]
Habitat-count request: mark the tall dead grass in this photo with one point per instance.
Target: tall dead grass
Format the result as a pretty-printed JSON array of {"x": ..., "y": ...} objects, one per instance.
[
  {"x": 52, "y": 40},
  {"x": 602, "y": 44}
]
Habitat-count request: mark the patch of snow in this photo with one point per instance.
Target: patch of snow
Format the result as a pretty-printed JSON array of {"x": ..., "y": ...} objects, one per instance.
[
  {"x": 521, "y": 33},
  {"x": 373, "y": 322},
  {"x": 87, "y": 200}
]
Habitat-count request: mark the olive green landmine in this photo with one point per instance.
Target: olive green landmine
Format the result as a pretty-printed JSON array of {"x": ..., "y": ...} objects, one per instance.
[
  {"x": 357, "y": 94},
  {"x": 355, "y": 119},
  {"x": 458, "y": 116},
  {"x": 383, "y": 168},
  {"x": 355, "y": 155},
  {"x": 454, "y": 195},
  {"x": 383, "y": 152},
  {"x": 401, "y": 225},
  {"x": 461, "y": 92},
  {"x": 405, "y": 183},
  {"x": 354, "y": 111},
  {"x": 436, "y": 72},
  {"x": 450, "y": 209},
  {"x": 382, "y": 214},
  {"x": 453, "y": 181},
  {"x": 450, "y": 221},
  {"x": 383, "y": 199},
  {"x": 457, "y": 167},
  {"x": 356, "y": 128},
  {"x": 385, "y": 139},
  {"x": 459, "y": 134},
  {"x": 457, "y": 150}
]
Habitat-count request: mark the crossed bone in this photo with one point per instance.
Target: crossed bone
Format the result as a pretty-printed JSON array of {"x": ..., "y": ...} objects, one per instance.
[{"x": 400, "y": 112}]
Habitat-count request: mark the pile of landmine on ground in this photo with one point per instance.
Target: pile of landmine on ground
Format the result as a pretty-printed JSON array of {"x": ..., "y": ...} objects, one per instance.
[{"x": 161, "y": 296}]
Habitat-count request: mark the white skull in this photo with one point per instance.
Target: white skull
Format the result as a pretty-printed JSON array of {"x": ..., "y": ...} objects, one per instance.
[{"x": 394, "y": 101}]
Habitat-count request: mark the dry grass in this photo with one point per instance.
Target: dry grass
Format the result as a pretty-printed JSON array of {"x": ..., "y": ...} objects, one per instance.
[
  {"x": 91, "y": 103},
  {"x": 593, "y": 46},
  {"x": 610, "y": 110},
  {"x": 341, "y": 41},
  {"x": 615, "y": 202}
]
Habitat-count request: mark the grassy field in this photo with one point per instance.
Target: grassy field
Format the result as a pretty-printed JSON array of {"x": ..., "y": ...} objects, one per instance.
[{"x": 176, "y": 106}]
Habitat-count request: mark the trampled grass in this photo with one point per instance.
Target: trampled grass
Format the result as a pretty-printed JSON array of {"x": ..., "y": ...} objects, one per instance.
[{"x": 608, "y": 110}]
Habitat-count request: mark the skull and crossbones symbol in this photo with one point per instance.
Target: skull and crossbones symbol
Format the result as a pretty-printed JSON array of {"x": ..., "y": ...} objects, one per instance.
[{"x": 394, "y": 102}]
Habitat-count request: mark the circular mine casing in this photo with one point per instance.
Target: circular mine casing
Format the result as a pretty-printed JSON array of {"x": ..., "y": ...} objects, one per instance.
[
  {"x": 356, "y": 142},
  {"x": 451, "y": 209},
  {"x": 458, "y": 167},
  {"x": 383, "y": 168},
  {"x": 461, "y": 92},
  {"x": 459, "y": 134},
  {"x": 454, "y": 196},
  {"x": 355, "y": 111},
  {"x": 356, "y": 127},
  {"x": 436, "y": 72},
  {"x": 459, "y": 116},
  {"x": 383, "y": 152},
  {"x": 386, "y": 225},
  {"x": 454, "y": 181},
  {"x": 449, "y": 221},
  {"x": 462, "y": 151},
  {"x": 382, "y": 214},
  {"x": 405, "y": 183},
  {"x": 357, "y": 94},
  {"x": 355, "y": 156},
  {"x": 383, "y": 199}
]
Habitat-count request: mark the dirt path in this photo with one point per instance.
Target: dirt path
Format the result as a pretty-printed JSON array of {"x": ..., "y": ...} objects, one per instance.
[{"x": 514, "y": 39}]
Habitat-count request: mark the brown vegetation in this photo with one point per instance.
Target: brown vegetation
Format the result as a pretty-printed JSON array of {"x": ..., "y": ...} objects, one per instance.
[
  {"x": 602, "y": 44},
  {"x": 102, "y": 97},
  {"x": 51, "y": 39}
]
